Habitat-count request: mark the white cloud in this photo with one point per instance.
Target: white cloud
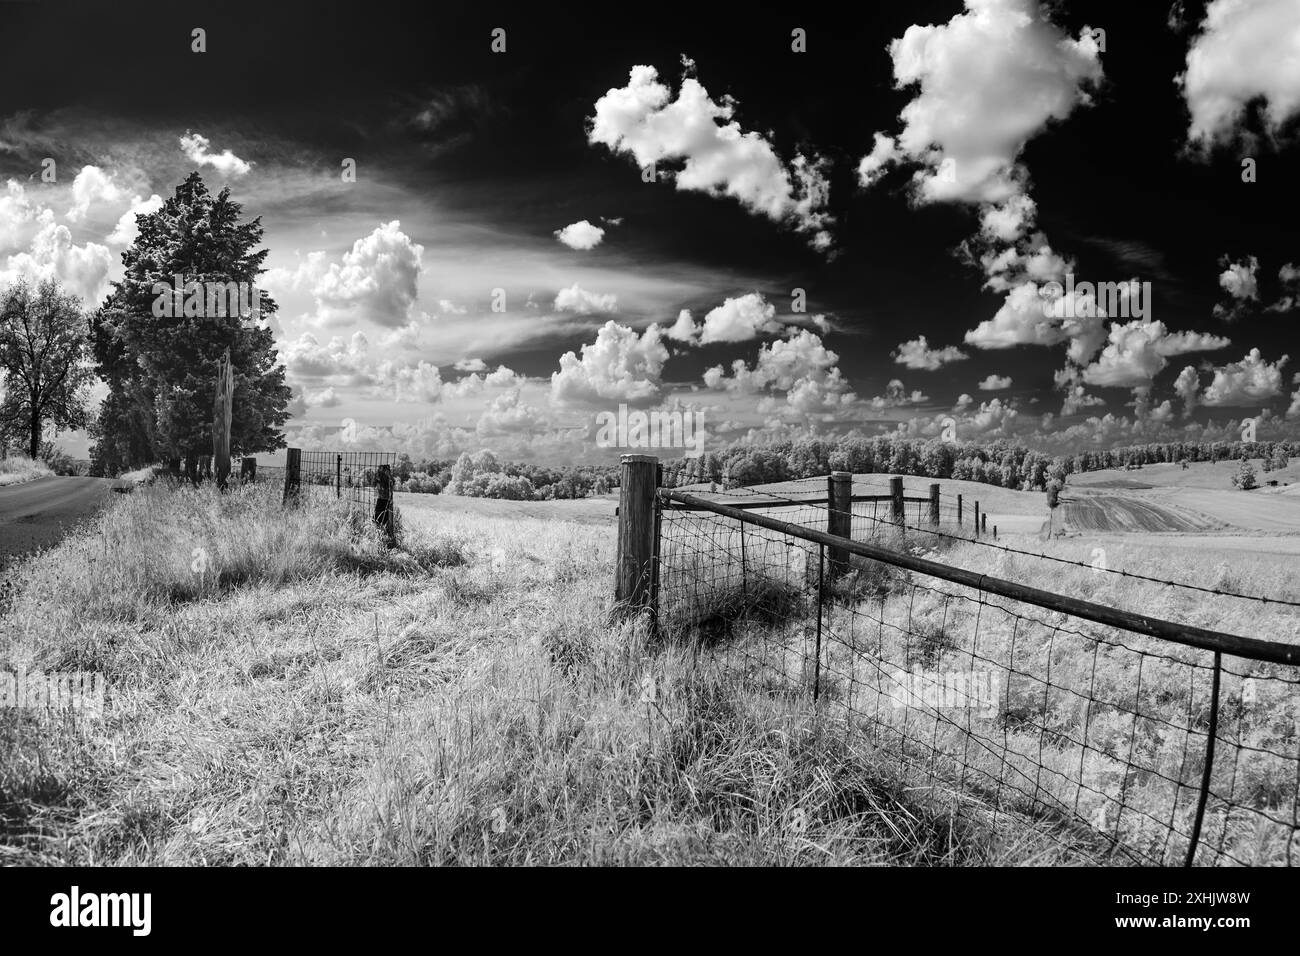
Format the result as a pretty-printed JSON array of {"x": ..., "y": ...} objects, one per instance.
[
  {"x": 1076, "y": 399},
  {"x": 126, "y": 230},
  {"x": 989, "y": 81},
  {"x": 580, "y": 235},
  {"x": 376, "y": 280},
  {"x": 196, "y": 147},
  {"x": 409, "y": 383},
  {"x": 1186, "y": 387},
  {"x": 579, "y": 300},
  {"x": 801, "y": 368},
  {"x": 917, "y": 354},
  {"x": 471, "y": 365},
  {"x": 1247, "y": 49},
  {"x": 643, "y": 120},
  {"x": 507, "y": 415},
  {"x": 1136, "y": 351},
  {"x": 1246, "y": 382},
  {"x": 83, "y": 270},
  {"x": 684, "y": 329},
  {"x": 739, "y": 320},
  {"x": 620, "y": 366},
  {"x": 995, "y": 383},
  {"x": 1238, "y": 279},
  {"x": 92, "y": 185}
]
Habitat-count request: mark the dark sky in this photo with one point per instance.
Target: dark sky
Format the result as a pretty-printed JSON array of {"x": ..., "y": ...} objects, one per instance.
[{"x": 500, "y": 161}]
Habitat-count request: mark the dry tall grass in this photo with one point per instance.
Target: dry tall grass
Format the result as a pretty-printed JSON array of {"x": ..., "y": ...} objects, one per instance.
[
  {"x": 15, "y": 469},
  {"x": 284, "y": 690}
]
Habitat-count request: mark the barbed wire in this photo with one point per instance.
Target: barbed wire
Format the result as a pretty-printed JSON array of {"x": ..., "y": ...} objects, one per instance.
[{"x": 780, "y": 499}]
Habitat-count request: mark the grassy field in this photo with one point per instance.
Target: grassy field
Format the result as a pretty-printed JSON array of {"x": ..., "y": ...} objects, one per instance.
[
  {"x": 284, "y": 690},
  {"x": 16, "y": 469}
]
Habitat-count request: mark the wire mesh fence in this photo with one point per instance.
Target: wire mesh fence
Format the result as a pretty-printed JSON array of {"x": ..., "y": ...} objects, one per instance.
[{"x": 1161, "y": 745}]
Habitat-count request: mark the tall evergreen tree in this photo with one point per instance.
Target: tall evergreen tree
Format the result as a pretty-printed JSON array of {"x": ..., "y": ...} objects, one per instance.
[{"x": 161, "y": 369}]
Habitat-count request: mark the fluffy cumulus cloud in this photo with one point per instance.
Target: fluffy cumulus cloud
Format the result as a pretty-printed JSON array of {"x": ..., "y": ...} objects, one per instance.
[
  {"x": 580, "y": 235},
  {"x": 375, "y": 280},
  {"x": 1293, "y": 412},
  {"x": 579, "y": 300},
  {"x": 1289, "y": 277},
  {"x": 989, "y": 80},
  {"x": 620, "y": 366},
  {"x": 51, "y": 254},
  {"x": 1246, "y": 382},
  {"x": 408, "y": 383},
  {"x": 645, "y": 121},
  {"x": 126, "y": 230},
  {"x": 1077, "y": 399},
  {"x": 995, "y": 383},
  {"x": 799, "y": 375},
  {"x": 739, "y": 320},
  {"x": 508, "y": 415},
  {"x": 1136, "y": 351},
  {"x": 1246, "y": 50},
  {"x": 198, "y": 149},
  {"x": 1187, "y": 387},
  {"x": 917, "y": 354},
  {"x": 92, "y": 185},
  {"x": 35, "y": 246},
  {"x": 1239, "y": 280},
  {"x": 339, "y": 361}
]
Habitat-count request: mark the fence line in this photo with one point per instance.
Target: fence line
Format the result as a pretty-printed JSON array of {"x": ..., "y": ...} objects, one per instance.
[{"x": 1109, "y": 731}]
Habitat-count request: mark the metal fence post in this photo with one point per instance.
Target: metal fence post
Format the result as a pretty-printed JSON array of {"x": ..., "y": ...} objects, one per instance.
[
  {"x": 636, "y": 534},
  {"x": 338, "y": 476},
  {"x": 292, "y": 473},
  {"x": 817, "y": 649},
  {"x": 1209, "y": 761},
  {"x": 839, "y": 517}
]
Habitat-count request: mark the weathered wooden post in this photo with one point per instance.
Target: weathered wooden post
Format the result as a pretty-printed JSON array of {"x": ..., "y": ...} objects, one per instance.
[
  {"x": 292, "y": 474},
  {"x": 221, "y": 412},
  {"x": 984, "y": 523},
  {"x": 839, "y": 517},
  {"x": 977, "y": 519},
  {"x": 959, "y": 511},
  {"x": 934, "y": 505},
  {"x": 995, "y": 532},
  {"x": 896, "y": 494},
  {"x": 338, "y": 476},
  {"x": 634, "y": 573}
]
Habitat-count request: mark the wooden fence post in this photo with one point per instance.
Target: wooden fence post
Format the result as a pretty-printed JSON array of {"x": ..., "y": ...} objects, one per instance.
[
  {"x": 977, "y": 519},
  {"x": 995, "y": 532},
  {"x": 292, "y": 474},
  {"x": 959, "y": 511},
  {"x": 634, "y": 573},
  {"x": 896, "y": 493},
  {"x": 839, "y": 517},
  {"x": 934, "y": 505},
  {"x": 338, "y": 476},
  {"x": 984, "y": 523}
]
